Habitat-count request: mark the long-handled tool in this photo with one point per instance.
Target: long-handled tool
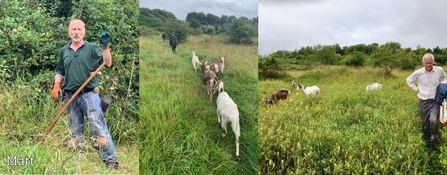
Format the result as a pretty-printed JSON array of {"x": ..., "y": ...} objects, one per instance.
[
  {"x": 59, "y": 99},
  {"x": 61, "y": 111}
]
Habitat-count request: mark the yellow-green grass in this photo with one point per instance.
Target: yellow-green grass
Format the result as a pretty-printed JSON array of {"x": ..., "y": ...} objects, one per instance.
[
  {"x": 179, "y": 129},
  {"x": 344, "y": 129},
  {"x": 26, "y": 114}
]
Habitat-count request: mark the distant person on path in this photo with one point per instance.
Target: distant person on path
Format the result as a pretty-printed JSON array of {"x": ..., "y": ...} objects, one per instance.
[
  {"x": 77, "y": 60},
  {"x": 164, "y": 37},
  {"x": 428, "y": 78},
  {"x": 173, "y": 42}
]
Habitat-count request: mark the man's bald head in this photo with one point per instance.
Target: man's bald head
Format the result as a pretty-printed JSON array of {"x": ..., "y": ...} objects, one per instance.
[
  {"x": 76, "y": 22},
  {"x": 76, "y": 30}
]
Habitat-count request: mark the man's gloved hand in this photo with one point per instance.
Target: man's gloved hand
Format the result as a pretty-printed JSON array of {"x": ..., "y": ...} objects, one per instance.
[
  {"x": 56, "y": 91},
  {"x": 105, "y": 36}
]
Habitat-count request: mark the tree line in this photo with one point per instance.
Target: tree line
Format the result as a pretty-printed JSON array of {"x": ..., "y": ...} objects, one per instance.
[
  {"x": 240, "y": 30},
  {"x": 387, "y": 57}
]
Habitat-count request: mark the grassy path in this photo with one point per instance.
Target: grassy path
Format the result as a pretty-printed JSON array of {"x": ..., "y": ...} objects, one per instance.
[{"x": 179, "y": 130}]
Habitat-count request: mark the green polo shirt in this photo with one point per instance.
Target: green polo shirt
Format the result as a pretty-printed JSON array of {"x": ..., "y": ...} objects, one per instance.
[{"x": 76, "y": 66}]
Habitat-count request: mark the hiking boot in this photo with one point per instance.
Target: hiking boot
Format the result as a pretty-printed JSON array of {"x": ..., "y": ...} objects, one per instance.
[
  {"x": 432, "y": 138},
  {"x": 112, "y": 163}
]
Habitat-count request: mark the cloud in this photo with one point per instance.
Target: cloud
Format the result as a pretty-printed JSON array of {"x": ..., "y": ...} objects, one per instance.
[
  {"x": 247, "y": 8},
  {"x": 290, "y": 25}
]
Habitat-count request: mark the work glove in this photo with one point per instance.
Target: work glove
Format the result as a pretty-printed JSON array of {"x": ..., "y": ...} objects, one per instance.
[
  {"x": 105, "y": 36},
  {"x": 57, "y": 91}
]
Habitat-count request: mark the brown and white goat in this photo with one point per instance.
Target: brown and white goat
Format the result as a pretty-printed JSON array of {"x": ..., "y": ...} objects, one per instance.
[
  {"x": 311, "y": 90},
  {"x": 217, "y": 67},
  {"x": 195, "y": 60},
  {"x": 227, "y": 112},
  {"x": 210, "y": 80},
  {"x": 280, "y": 94}
]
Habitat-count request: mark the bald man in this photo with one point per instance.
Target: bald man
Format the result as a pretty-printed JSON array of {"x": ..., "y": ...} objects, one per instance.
[
  {"x": 428, "y": 78},
  {"x": 76, "y": 60}
]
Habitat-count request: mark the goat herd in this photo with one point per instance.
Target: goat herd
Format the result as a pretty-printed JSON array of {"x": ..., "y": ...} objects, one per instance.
[
  {"x": 227, "y": 111},
  {"x": 283, "y": 93}
]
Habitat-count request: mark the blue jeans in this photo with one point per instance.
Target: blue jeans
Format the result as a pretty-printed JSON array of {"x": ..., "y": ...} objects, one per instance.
[{"x": 89, "y": 105}]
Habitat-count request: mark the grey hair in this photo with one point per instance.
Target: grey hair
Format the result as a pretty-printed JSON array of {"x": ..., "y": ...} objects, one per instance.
[{"x": 427, "y": 55}]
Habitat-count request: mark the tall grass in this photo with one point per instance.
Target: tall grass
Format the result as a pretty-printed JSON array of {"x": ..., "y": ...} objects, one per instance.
[
  {"x": 346, "y": 130},
  {"x": 179, "y": 129},
  {"x": 26, "y": 113}
]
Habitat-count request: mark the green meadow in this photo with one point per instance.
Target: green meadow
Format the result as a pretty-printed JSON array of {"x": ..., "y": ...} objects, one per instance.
[
  {"x": 344, "y": 129},
  {"x": 179, "y": 132}
]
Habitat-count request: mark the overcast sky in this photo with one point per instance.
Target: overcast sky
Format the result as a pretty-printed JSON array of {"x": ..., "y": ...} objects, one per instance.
[
  {"x": 180, "y": 8},
  {"x": 292, "y": 24}
]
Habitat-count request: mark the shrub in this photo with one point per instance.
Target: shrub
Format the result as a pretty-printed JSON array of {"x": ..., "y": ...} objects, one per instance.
[
  {"x": 180, "y": 29},
  {"x": 269, "y": 68},
  {"x": 34, "y": 35},
  {"x": 356, "y": 58}
]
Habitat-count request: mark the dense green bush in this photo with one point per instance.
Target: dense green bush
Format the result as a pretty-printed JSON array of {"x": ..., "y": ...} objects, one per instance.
[
  {"x": 241, "y": 33},
  {"x": 29, "y": 39},
  {"x": 180, "y": 29},
  {"x": 121, "y": 81},
  {"x": 269, "y": 67},
  {"x": 356, "y": 58},
  {"x": 195, "y": 32},
  {"x": 32, "y": 34}
]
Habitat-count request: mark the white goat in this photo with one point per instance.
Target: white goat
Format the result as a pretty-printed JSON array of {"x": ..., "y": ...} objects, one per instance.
[
  {"x": 227, "y": 112},
  {"x": 217, "y": 67},
  {"x": 293, "y": 83},
  {"x": 312, "y": 90},
  {"x": 195, "y": 60},
  {"x": 374, "y": 87}
]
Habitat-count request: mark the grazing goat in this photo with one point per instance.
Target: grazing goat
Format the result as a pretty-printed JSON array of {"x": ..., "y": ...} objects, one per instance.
[
  {"x": 312, "y": 90},
  {"x": 217, "y": 67},
  {"x": 195, "y": 60},
  {"x": 374, "y": 87},
  {"x": 227, "y": 112},
  {"x": 210, "y": 80},
  {"x": 280, "y": 94},
  {"x": 293, "y": 83}
]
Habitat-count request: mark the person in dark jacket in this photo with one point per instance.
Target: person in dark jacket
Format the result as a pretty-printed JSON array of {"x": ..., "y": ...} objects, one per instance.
[
  {"x": 429, "y": 77},
  {"x": 164, "y": 37},
  {"x": 441, "y": 93},
  {"x": 173, "y": 42}
]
